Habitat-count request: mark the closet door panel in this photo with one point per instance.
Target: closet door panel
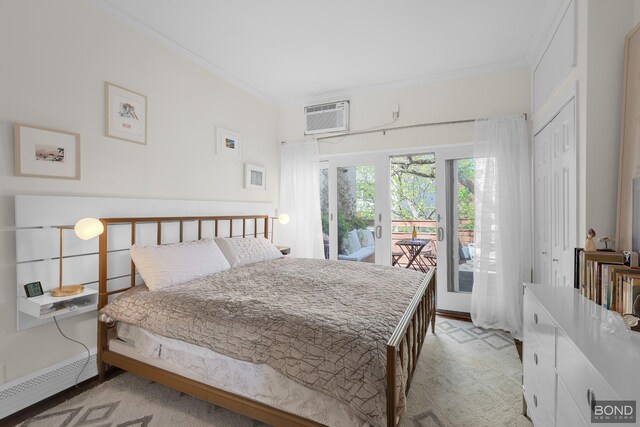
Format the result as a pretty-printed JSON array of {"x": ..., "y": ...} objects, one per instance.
[
  {"x": 564, "y": 195},
  {"x": 542, "y": 207}
]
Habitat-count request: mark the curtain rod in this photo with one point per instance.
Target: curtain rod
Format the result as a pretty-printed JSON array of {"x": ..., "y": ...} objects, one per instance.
[{"x": 385, "y": 130}]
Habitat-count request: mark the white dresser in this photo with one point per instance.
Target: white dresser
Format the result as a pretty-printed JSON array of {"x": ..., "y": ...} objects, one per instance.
[{"x": 573, "y": 353}]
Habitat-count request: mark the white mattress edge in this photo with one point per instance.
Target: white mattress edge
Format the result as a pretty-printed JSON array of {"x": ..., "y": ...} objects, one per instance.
[{"x": 148, "y": 352}]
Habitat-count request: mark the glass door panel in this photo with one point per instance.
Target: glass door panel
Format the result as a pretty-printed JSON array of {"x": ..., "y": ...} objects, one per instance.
[
  {"x": 324, "y": 210},
  {"x": 356, "y": 194},
  {"x": 462, "y": 219},
  {"x": 413, "y": 211},
  {"x": 354, "y": 201},
  {"x": 455, "y": 227}
]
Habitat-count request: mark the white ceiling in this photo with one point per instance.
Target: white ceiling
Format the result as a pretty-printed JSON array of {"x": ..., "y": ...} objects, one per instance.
[{"x": 293, "y": 50}]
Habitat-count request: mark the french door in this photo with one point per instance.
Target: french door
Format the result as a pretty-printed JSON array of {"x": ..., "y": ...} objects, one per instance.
[
  {"x": 371, "y": 204},
  {"x": 353, "y": 194},
  {"x": 455, "y": 227}
]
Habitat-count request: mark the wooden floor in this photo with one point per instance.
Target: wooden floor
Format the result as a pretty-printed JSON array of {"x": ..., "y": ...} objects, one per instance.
[{"x": 55, "y": 400}]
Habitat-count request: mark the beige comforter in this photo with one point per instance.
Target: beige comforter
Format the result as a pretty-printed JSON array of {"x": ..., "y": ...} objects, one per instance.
[{"x": 324, "y": 324}]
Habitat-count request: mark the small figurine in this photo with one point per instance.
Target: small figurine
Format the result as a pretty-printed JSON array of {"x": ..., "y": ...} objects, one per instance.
[
  {"x": 589, "y": 246},
  {"x": 606, "y": 240}
]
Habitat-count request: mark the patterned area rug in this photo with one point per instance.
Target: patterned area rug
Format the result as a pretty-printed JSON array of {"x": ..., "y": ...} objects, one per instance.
[{"x": 466, "y": 376}]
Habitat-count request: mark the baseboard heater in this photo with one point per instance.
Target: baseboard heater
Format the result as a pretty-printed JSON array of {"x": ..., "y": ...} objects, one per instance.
[{"x": 30, "y": 389}]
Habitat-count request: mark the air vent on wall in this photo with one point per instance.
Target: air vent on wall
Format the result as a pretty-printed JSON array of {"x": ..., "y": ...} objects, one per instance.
[{"x": 332, "y": 117}]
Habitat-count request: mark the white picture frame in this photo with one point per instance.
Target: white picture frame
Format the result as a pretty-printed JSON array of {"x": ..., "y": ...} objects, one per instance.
[
  {"x": 126, "y": 114},
  {"x": 255, "y": 177},
  {"x": 228, "y": 143},
  {"x": 46, "y": 153}
]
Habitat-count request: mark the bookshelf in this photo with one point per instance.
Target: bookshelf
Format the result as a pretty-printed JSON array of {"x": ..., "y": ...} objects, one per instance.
[{"x": 610, "y": 279}]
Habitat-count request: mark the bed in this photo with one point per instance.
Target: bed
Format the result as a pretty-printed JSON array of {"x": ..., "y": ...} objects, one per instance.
[{"x": 285, "y": 341}]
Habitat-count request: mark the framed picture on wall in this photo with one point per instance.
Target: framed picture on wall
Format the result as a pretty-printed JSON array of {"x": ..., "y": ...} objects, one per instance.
[
  {"x": 126, "y": 114},
  {"x": 255, "y": 178},
  {"x": 46, "y": 153},
  {"x": 228, "y": 143}
]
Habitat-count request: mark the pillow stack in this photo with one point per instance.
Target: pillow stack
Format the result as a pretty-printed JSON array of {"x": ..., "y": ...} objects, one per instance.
[{"x": 162, "y": 266}]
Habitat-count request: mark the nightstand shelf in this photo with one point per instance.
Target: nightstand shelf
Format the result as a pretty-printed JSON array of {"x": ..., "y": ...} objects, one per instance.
[{"x": 80, "y": 303}]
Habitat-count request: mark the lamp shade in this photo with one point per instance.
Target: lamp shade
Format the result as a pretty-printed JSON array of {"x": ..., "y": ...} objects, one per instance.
[
  {"x": 283, "y": 219},
  {"x": 88, "y": 228}
]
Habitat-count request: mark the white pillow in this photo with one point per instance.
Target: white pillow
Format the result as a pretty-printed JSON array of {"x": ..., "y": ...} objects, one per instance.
[
  {"x": 354, "y": 240},
  {"x": 370, "y": 239},
  {"x": 167, "y": 265},
  {"x": 241, "y": 251}
]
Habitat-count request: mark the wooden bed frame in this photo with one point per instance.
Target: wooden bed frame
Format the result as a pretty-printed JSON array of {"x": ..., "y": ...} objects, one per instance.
[{"x": 403, "y": 348}]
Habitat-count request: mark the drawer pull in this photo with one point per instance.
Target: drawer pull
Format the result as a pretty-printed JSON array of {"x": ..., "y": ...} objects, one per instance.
[
  {"x": 535, "y": 318},
  {"x": 535, "y": 400},
  {"x": 535, "y": 358},
  {"x": 591, "y": 397}
]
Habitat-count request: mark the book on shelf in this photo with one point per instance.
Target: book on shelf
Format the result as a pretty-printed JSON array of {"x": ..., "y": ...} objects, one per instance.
[
  {"x": 618, "y": 275},
  {"x": 577, "y": 271},
  {"x": 629, "y": 291},
  {"x": 598, "y": 275}
]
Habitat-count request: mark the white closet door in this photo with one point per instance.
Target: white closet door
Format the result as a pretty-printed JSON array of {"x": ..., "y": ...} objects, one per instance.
[
  {"x": 542, "y": 206},
  {"x": 563, "y": 195}
]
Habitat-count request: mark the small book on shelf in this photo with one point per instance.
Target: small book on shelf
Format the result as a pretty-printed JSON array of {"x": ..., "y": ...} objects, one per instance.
[
  {"x": 629, "y": 291},
  {"x": 597, "y": 275},
  {"x": 618, "y": 275}
]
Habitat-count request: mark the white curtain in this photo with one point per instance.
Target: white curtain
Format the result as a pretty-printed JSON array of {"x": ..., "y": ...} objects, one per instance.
[
  {"x": 300, "y": 199},
  {"x": 502, "y": 223}
]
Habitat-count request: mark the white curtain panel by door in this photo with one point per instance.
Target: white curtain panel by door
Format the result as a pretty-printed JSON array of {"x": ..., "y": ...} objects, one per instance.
[
  {"x": 503, "y": 223},
  {"x": 300, "y": 199}
]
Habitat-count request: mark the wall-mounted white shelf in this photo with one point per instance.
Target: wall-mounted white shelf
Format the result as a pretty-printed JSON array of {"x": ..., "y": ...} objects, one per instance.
[{"x": 80, "y": 303}]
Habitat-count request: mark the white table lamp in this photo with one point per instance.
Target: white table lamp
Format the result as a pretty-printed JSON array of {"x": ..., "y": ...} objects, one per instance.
[
  {"x": 86, "y": 228},
  {"x": 282, "y": 219}
]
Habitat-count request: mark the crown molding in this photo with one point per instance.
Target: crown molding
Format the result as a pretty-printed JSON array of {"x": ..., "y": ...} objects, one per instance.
[
  {"x": 431, "y": 78},
  {"x": 181, "y": 50}
]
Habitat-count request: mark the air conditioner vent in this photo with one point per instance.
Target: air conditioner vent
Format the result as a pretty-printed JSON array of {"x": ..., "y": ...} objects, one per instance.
[{"x": 333, "y": 117}]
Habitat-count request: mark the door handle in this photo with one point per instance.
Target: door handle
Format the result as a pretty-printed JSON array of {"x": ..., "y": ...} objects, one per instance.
[
  {"x": 440, "y": 233},
  {"x": 379, "y": 232},
  {"x": 544, "y": 252},
  {"x": 555, "y": 260}
]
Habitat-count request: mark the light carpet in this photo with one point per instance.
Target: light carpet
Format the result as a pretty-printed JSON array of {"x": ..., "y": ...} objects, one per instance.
[{"x": 466, "y": 376}]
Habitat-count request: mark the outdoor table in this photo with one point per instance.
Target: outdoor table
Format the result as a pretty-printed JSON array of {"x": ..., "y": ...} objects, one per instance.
[{"x": 411, "y": 249}]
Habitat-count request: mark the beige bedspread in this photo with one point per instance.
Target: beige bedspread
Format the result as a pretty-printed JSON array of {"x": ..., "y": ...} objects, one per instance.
[{"x": 324, "y": 324}]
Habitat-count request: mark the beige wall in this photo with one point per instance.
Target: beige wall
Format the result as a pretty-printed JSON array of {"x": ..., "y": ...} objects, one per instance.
[
  {"x": 54, "y": 59},
  {"x": 486, "y": 95}
]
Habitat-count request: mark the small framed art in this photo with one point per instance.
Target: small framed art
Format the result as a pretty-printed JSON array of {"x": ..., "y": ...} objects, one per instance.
[
  {"x": 228, "y": 143},
  {"x": 46, "y": 153},
  {"x": 255, "y": 178},
  {"x": 126, "y": 114}
]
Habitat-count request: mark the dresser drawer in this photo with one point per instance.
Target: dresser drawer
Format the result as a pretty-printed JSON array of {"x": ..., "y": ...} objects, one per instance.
[
  {"x": 580, "y": 378},
  {"x": 538, "y": 366},
  {"x": 539, "y": 404},
  {"x": 539, "y": 326},
  {"x": 567, "y": 414}
]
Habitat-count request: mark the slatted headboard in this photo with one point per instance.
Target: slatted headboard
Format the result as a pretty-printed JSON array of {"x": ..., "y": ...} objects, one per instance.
[{"x": 202, "y": 226}]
